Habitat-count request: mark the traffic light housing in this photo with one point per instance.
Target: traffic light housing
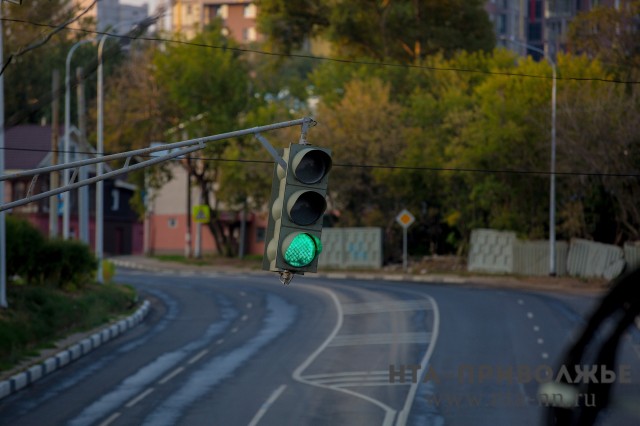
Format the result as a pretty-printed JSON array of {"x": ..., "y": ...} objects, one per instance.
[{"x": 296, "y": 210}]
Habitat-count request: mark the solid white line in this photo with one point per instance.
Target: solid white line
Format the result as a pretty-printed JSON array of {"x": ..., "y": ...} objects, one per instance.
[
  {"x": 384, "y": 373},
  {"x": 171, "y": 375},
  {"x": 110, "y": 419},
  {"x": 404, "y": 413},
  {"x": 139, "y": 398},
  {"x": 197, "y": 357},
  {"x": 263, "y": 410}
]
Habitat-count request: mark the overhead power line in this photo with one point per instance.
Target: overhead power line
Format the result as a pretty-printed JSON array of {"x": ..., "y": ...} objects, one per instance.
[
  {"x": 372, "y": 166},
  {"x": 338, "y": 60},
  {"x": 46, "y": 38}
]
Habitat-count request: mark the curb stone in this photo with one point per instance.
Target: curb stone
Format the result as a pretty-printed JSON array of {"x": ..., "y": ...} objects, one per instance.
[{"x": 72, "y": 353}]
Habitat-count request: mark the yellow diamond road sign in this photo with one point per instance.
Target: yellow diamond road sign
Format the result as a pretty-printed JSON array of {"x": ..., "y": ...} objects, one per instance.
[
  {"x": 201, "y": 213},
  {"x": 405, "y": 219}
]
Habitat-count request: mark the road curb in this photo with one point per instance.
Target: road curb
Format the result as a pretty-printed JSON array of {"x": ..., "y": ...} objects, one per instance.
[{"x": 36, "y": 372}]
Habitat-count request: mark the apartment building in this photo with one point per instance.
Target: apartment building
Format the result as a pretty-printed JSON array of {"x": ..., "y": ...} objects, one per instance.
[
  {"x": 542, "y": 24},
  {"x": 238, "y": 17},
  {"x": 110, "y": 13}
]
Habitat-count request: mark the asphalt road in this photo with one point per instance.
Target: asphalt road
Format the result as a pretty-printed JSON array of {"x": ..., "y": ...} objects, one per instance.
[{"x": 246, "y": 350}]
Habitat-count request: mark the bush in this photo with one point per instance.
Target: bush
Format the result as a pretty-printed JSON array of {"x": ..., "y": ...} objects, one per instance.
[
  {"x": 68, "y": 264},
  {"x": 24, "y": 243},
  {"x": 65, "y": 264}
]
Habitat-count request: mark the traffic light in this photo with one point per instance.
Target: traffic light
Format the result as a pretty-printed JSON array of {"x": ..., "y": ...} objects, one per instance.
[{"x": 296, "y": 210}]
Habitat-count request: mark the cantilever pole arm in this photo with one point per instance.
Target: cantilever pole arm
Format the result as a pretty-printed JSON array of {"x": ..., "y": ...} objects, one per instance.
[{"x": 177, "y": 149}]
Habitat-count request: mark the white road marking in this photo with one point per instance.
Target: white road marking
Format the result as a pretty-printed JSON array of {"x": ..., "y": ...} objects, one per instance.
[
  {"x": 171, "y": 375},
  {"x": 378, "y": 307},
  {"x": 545, "y": 355},
  {"x": 220, "y": 341},
  {"x": 540, "y": 341},
  {"x": 110, "y": 419},
  {"x": 381, "y": 339},
  {"x": 249, "y": 305},
  {"x": 198, "y": 356},
  {"x": 536, "y": 328},
  {"x": 139, "y": 398},
  {"x": 263, "y": 410},
  {"x": 520, "y": 302},
  {"x": 390, "y": 413},
  {"x": 530, "y": 315},
  {"x": 243, "y": 294},
  {"x": 244, "y": 318},
  {"x": 234, "y": 330}
]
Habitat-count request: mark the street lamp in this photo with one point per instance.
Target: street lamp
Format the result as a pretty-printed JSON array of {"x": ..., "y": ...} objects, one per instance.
[
  {"x": 100, "y": 149},
  {"x": 552, "y": 185},
  {"x": 67, "y": 142}
]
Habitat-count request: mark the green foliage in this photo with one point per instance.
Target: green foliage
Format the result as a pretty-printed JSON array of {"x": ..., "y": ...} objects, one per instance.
[
  {"x": 24, "y": 243},
  {"x": 404, "y": 31},
  {"x": 39, "y": 315},
  {"x": 68, "y": 265}
]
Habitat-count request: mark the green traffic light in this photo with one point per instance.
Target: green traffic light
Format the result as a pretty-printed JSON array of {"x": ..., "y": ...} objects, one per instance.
[{"x": 302, "y": 250}]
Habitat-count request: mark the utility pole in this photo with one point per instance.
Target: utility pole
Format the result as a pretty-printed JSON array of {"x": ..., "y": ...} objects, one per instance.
[
  {"x": 187, "y": 235},
  {"x": 54, "y": 180},
  {"x": 83, "y": 193},
  {"x": 3, "y": 232}
]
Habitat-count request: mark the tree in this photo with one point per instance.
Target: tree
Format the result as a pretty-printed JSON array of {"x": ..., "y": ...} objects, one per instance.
[
  {"x": 211, "y": 83},
  {"x": 28, "y": 75},
  {"x": 401, "y": 30},
  {"x": 361, "y": 138},
  {"x": 610, "y": 34}
]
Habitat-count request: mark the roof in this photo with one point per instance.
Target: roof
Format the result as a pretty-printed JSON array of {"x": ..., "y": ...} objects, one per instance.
[{"x": 26, "y": 146}]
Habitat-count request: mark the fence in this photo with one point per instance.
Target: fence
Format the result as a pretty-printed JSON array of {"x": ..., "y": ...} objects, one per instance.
[
  {"x": 351, "y": 248},
  {"x": 502, "y": 252}
]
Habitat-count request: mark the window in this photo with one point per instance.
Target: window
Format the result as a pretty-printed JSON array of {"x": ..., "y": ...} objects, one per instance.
[
  {"x": 260, "y": 234},
  {"x": 502, "y": 24},
  {"x": 249, "y": 34},
  {"x": 115, "y": 200},
  {"x": 223, "y": 11},
  {"x": 250, "y": 11}
]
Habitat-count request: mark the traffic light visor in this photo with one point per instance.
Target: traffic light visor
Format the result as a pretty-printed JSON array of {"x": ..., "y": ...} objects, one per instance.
[
  {"x": 301, "y": 249},
  {"x": 311, "y": 165}
]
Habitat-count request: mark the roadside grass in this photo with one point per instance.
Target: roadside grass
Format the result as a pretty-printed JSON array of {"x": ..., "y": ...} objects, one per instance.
[{"x": 38, "y": 316}]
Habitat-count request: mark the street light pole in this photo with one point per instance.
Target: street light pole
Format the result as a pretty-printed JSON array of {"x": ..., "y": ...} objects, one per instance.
[
  {"x": 99, "y": 251},
  {"x": 552, "y": 184},
  {"x": 67, "y": 142}
]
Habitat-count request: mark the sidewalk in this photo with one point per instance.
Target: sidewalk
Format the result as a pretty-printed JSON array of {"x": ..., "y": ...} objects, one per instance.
[{"x": 570, "y": 285}]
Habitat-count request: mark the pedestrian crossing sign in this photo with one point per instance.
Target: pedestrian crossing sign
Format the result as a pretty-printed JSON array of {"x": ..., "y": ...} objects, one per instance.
[{"x": 201, "y": 213}]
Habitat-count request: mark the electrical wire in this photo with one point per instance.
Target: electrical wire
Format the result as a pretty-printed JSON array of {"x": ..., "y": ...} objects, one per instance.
[
  {"x": 338, "y": 60},
  {"x": 370, "y": 166},
  {"x": 57, "y": 28}
]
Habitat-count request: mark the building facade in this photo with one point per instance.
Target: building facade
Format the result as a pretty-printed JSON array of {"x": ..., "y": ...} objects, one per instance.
[
  {"x": 110, "y": 13},
  {"x": 238, "y": 17},
  {"x": 171, "y": 229},
  {"x": 28, "y": 147},
  {"x": 543, "y": 24}
]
